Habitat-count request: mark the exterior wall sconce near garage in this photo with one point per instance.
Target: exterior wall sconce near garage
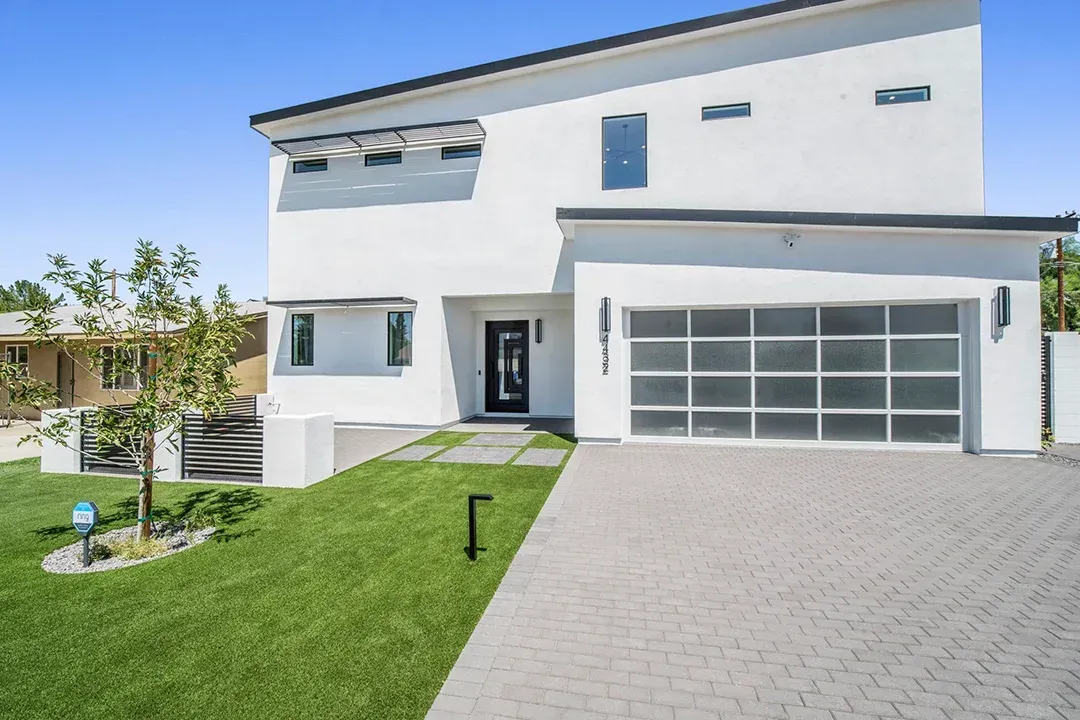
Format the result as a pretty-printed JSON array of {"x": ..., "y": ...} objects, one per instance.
[
  {"x": 605, "y": 317},
  {"x": 539, "y": 331},
  {"x": 1003, "y": 303}
]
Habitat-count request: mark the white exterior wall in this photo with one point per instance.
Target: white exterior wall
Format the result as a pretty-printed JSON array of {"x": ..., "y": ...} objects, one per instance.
[
  {"x": 677, "y": 266},
  {"x": 431, "y": 229},
  {"x": 1065, "y": 386}
]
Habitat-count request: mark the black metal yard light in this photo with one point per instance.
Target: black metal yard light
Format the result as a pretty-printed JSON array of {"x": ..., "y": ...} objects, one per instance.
[{"x": 472, "y": 549}]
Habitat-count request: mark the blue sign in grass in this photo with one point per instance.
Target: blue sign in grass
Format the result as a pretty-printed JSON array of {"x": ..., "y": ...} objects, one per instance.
[{"x": 84, "y": 517}]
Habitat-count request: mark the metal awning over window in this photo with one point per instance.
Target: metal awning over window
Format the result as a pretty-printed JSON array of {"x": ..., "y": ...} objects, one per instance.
[
  {"x": 404, "y": 136},
  {"x": 329, "y": 303}
]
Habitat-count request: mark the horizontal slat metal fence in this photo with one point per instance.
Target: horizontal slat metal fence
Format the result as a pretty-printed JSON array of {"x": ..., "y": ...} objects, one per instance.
[
  {"x": 104, "y": 458},
  {"x": 223, "y": 447}
]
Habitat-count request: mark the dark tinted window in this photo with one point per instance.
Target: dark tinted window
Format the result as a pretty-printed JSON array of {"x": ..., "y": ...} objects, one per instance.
[
  {"x": 305, "y": 166},
  {"x": 386, "y": 158},
  {"x": 719, "y": 112},
  {"x": 905, "y": 95},
  {"x": 456, "y": 152},
  {"x": 399, "y": 338},
  {"x": 303, "y": 339}
]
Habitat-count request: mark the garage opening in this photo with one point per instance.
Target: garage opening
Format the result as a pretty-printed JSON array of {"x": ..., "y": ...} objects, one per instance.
[{"x": 843, "y": 374}]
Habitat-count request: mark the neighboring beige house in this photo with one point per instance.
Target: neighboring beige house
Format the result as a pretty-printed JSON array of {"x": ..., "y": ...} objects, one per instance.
[{"x": 77, "y": 387}]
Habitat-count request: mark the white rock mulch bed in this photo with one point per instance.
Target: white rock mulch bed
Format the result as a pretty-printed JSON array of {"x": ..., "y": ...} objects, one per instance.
[{"x": 69, "y": 559}]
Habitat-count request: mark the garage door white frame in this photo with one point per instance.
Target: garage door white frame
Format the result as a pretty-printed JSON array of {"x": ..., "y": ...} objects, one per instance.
[{"x": 899, "y": 417}]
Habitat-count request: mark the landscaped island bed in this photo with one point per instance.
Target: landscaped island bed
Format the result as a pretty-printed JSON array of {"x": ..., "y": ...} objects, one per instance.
[{"x": 351, "y": 598}]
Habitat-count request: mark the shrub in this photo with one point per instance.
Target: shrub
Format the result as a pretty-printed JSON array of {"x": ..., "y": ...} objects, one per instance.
[
  {"x": 100, "y": 551},
  {"x": 199, "y": 519},
  {"x": 133, "y": 549}
]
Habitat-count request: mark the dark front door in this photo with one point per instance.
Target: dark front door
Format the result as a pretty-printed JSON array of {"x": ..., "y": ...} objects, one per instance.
[{"x": 507, "y": 366}]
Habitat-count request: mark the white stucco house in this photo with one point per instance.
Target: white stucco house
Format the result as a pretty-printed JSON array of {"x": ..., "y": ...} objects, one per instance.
[{"x": 760, "y": 227}]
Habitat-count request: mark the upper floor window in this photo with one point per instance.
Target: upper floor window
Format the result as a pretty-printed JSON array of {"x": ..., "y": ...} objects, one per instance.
[
  {"x": 19, "y": 355},
  {"x": 903, "y": 95},
  {"x": 386, "y": 158},
  {"x": 455, "y": 152},
  {"x": 719, "y": 112},
  {"x": 624, "y": 152},
  {"x": 303, "y": 339},
  {"x": 305, "y": 166},
  {"x": 399, "y": 338}
]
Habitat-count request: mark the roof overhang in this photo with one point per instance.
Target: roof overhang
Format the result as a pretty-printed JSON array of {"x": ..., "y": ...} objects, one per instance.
[
  {"x": 1042, "y": 228},
  {"x": 405, "y": 136},
  {"x": 338, "y": 303},
  {"x": 760, "y": 13}
]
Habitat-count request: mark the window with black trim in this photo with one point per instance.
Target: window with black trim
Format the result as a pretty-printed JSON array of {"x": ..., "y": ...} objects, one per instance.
[
  {"x": 303, "y": 340},
  {"x": 903, "y": 95},
  {"x": 399, "y": 339},
  {"x": 722, "y": 112},
  {"x": 306, "y": 166},
  {"x": 625, "y": 152},
  {"x": 386, "y": 158},
  {"x": 456, "y": 152}
]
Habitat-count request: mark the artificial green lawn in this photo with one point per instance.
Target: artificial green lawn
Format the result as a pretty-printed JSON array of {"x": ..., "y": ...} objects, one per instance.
[{"x": 350, "y": 599}]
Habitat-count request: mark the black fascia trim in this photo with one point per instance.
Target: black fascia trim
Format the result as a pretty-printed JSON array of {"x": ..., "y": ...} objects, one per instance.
[
  {"x": 357, "y": 302},
  {"x": 544, "y": 56},
  {"x": 934, "y": 222}
]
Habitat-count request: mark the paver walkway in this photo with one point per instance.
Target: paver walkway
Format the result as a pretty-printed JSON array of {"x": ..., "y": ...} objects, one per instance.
[{"x": 691, "y": 582}]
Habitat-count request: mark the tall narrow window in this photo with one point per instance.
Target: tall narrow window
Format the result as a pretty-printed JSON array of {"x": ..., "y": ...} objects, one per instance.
[
  {"x": 19, "y": 355},
  {"x": 624, "y": 152},
  {"x": 303, "y": 339},
  {"x": 399, "y": 338}
]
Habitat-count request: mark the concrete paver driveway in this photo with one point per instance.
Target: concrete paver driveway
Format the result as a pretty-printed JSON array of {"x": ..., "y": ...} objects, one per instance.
[{"x": 702, "y": 582}]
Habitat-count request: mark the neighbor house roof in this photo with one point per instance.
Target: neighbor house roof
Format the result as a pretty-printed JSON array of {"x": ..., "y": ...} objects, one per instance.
[
  {"x": 13, "y": 327},
  {"x": 1054, "y": 227},
  {"x": 545, "y": 56}
]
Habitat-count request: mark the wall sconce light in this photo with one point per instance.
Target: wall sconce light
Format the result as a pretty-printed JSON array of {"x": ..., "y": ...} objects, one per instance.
[
  {"x": 605, "y": 315},
  {"x": 1003, "y": 301},
  {"x": 539, "y": 331}
]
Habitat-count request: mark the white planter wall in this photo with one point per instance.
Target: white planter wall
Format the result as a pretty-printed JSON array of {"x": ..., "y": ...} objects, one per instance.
[{"x": 1065, "y": 386}]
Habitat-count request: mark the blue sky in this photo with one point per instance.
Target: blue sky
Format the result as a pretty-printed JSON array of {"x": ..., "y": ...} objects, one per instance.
[{"x": 129, "y": 119}]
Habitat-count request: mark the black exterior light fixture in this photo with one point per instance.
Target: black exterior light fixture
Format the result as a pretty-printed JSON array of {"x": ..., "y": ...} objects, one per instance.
[
  {"x": 1003, "y": 303},
  {"x": 605, "y": 316},
  {"x": 539, "y": 331}
]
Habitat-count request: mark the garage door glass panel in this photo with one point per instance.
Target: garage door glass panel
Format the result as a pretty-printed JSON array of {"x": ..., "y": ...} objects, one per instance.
[
  {"x": 853, "y": 393},
  {"x": 853, "y": 320},
  {"x": 785, "y": 356},
  {"x": 720, "y": 356},
  {"x": 720, "y": 323},
  {"x": 852, "y": 355},
  {"x": 658, "y": 423},
  {"x": 658, "y": 324},
  {"x": 854, "y": 428},
  {"x": 923, "y": 320},
  {"x": 721, "y": 425},
  {"x": 925, "y": 355},
  {"x": 910, "y": 393},
  {"x": 658, "y": 356},
  {"x": 785, "y": 322},
  {"x": 722, "y": 392},
  {"x": 797, "y": 392},
  {"x": 659, "y": 391},
  {"x": 786, "y": 426},
  {"x": 937, "y": 429}
]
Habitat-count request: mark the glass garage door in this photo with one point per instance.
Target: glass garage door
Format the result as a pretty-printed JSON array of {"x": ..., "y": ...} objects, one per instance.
[{"x": 873, "y": 374}]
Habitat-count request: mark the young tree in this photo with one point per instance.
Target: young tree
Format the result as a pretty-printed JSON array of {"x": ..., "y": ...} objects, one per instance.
[
  {"x": 180, "y": 349},
  {"x": 26, "y": 295}
]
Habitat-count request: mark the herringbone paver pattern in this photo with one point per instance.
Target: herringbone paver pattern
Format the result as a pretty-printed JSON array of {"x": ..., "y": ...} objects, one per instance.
[{"x": 698, "y": 582}]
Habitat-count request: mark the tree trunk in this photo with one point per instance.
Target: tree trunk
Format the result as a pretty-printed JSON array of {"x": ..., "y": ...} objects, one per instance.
[{"x": 146, "y": 487}]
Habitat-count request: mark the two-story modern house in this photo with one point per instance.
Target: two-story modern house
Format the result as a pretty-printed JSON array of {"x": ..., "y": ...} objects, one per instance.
[{"x": 760, "y": 227}]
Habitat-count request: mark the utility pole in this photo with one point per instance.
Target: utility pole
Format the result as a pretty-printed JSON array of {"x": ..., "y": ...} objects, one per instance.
[{"x": 1061, "y": 278}]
